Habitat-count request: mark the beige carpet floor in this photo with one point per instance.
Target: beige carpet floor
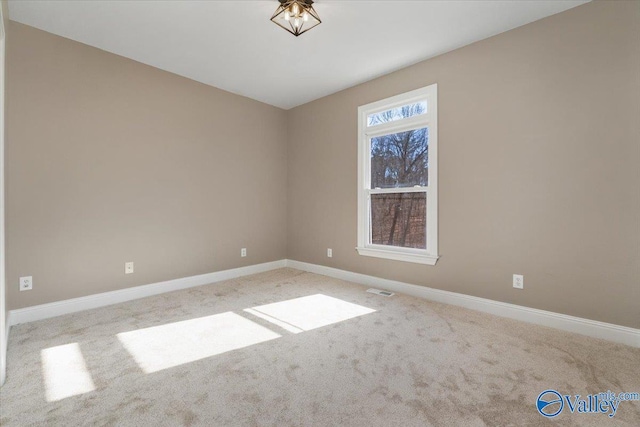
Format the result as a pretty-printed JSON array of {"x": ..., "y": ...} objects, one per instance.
[{"x": 330, "y": 354}]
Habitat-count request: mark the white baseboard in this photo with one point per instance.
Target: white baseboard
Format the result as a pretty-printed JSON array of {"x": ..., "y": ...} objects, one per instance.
[
  {"x": 45, "y": 311},
  {"x": 591, "y": 328},
  {"x": 3, "y": 357}
]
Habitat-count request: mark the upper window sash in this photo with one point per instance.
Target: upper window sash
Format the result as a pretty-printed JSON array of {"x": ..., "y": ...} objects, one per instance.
[{"x": 404, "y": 126}]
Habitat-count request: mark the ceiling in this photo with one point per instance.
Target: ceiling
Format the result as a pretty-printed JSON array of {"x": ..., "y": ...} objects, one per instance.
[{"x": 232, "y": 45}]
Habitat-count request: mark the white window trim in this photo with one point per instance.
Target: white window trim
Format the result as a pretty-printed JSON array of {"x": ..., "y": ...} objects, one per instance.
[{"x": 427, "y": 256}]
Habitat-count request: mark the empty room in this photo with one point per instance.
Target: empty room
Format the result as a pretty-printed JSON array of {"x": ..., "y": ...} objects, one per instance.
[{"x": 320, "y": 213}]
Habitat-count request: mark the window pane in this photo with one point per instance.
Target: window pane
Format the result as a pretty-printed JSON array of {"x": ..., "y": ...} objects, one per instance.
[
  {"x": 400, "y": 159},
  {"x": 399, "y": 219},
  {"x": 398, "y": 113}
]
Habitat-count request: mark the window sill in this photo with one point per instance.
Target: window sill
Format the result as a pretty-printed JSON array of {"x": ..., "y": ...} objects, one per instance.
[{"x": 399, "y": 256}]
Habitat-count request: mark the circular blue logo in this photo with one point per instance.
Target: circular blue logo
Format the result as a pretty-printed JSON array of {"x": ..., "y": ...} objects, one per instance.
[{"x": 550, "y": 403}]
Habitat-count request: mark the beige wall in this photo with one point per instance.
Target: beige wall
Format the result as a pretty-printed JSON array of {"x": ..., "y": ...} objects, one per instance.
[
  {"x": 109, "y": 161},
  {"x": 3, "y": 312},
  {"x": 112, "y": 161},
  {"x": 539, "y": 147}
]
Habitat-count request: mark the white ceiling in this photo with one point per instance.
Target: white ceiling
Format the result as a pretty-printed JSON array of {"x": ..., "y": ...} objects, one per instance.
[{"x": 232, "y": 45}]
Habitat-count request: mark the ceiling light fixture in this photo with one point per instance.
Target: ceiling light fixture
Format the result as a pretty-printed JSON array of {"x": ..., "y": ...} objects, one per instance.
[{"x": 296, "y": 16}]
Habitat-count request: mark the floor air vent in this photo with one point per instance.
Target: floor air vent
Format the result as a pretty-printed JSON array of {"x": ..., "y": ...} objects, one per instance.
[{"x": 379, "y": 292}]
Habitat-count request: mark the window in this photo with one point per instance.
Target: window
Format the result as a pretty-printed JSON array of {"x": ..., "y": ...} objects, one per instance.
[{"x": 397, "y": 177}]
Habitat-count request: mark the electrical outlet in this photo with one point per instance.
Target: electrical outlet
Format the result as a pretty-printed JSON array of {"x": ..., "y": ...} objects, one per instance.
[
  {"x": 243, "y": 252},
  {"x": 329, "y": 252},
  {"x": 128, "y": 267},
  {"x": 26, "y": 283},
  {"x": 518, "y": 281}
]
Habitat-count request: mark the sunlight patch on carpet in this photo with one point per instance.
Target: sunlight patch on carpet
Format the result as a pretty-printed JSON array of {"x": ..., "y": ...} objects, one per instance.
[
  {"x": 307, "y": 313},
  {"x": 161, "y": 347},
  {"x": 65, "y": 372}
]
